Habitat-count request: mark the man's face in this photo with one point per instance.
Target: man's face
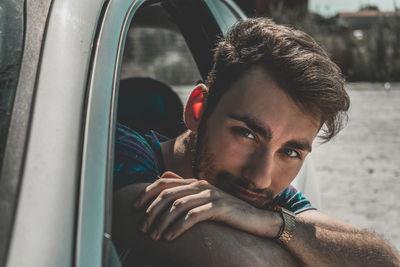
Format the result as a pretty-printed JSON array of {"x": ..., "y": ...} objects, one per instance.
[{"x": 255, "y": 141}]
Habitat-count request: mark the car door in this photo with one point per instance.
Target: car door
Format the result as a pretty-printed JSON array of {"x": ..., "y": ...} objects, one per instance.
[{"x": 42, "y": 170}]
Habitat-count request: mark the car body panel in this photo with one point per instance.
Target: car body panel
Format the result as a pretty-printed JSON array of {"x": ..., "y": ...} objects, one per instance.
[{"x": 46, "y": 213}]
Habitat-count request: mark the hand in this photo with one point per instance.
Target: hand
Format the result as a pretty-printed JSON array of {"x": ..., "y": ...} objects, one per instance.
[{"x": 181, "y": 203}]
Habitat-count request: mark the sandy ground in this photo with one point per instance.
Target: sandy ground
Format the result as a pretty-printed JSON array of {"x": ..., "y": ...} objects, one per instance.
[{"x": 359, "y": 171}]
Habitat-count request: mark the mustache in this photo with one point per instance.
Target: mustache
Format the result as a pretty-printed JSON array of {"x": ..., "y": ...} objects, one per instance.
[{"x": 244, "y": 183}]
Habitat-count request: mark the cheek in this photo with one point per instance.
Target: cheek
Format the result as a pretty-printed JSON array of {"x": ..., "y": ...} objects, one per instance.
[
  {"x": 229, "y": 154},
  {"x": 285, "y": 174}
]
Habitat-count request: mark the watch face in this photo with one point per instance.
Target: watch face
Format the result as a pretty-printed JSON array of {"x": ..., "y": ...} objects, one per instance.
[{"x": 285, "y": 237}]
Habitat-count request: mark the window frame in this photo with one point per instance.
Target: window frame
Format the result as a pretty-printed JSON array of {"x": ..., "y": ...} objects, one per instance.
[{"x": 94, "y": 234}]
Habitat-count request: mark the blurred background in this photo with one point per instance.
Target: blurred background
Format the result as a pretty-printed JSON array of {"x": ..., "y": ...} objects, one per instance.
[{"x": 363, "y": 37}]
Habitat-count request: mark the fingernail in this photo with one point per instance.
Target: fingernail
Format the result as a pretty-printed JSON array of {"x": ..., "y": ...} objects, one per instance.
[
  {"x": 168, "y": 235},
  {"x": 144, "y": 227}
]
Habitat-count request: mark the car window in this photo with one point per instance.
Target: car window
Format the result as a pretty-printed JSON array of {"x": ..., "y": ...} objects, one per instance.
[
  {"x": 225, "y": 13},
  {"x": 157, "y": 74},
  {"x": 156, "y": 49},
  {"x": 11, "y": 43}
]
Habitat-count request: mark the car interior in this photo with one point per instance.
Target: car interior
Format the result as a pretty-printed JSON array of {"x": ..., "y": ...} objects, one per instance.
[
  {"x": 157, "y": 74},
  {"x": 147, "y": 104}
]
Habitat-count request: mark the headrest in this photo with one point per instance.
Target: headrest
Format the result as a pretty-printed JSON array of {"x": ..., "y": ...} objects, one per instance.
[{"x": 146, "y": 104}]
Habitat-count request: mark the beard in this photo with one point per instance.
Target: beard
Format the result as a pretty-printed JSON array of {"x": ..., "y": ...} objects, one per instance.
[{"x": 203, "y": 166}]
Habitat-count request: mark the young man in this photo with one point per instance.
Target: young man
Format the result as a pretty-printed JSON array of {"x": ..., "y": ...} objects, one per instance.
[{"x": 224, "y": 196}]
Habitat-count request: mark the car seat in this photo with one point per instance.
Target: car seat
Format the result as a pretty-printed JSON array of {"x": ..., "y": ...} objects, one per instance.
[{"x": 146, "y": 104}]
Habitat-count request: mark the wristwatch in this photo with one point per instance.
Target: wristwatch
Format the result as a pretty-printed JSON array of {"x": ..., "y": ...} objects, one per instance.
[{"x": 288, "y": 226}]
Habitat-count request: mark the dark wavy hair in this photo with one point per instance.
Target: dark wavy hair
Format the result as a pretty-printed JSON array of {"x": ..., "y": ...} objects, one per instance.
[{"x": 294, "y": 60}]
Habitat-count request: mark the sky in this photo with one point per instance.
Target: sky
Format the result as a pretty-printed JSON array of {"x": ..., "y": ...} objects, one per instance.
[{"x": 331, "y": 7}]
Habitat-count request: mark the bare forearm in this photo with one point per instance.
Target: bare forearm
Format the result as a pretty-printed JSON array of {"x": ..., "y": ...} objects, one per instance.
[
  {"x": 330, "y": 244},
  {"x": 206, "y": 244}
]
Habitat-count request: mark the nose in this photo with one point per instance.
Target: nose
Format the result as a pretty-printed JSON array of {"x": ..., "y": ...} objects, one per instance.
[{"x": 258, "y": 170}]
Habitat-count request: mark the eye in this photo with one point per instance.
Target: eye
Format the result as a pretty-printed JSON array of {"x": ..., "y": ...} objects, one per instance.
[
  {"x": 291, "y": 153},
  {"x": 244, "y": 132}
]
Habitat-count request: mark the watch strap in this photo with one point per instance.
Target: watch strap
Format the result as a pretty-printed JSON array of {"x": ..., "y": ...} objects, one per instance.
[{"x": 286, "y": 231}]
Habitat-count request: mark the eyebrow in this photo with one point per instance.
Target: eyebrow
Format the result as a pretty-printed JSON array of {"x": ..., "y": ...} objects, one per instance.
[
  {"x": 266, "y": 133},
  {"x": 299, "y": 144},
  {"x": 253, "y": 124}
]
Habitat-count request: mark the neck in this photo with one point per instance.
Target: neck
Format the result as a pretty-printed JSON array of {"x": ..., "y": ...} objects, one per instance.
[{"x": 178, "y": 154}]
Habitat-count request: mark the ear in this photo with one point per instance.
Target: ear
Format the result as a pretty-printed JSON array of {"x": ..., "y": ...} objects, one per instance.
[{"x": 195, "y": 107}]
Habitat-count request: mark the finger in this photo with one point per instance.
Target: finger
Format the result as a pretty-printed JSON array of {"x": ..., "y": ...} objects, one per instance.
[
  {"x": 179, "y": 206},
  {"x": 169, "y": 174},
  {"x": 192, "y": 217},
  {"x": 163, "y": 200},
  {"x": 157, "y": 187}
]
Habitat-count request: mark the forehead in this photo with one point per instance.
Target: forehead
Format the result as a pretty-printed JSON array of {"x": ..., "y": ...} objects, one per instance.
[{"x": 257, "y": 95}]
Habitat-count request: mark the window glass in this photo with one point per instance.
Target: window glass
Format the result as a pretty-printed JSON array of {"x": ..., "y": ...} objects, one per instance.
[
  {"x": 11, "y": 44},
  {"x": 224, "y": 13},
  {"x": 155, "y": 48},
  {"x": 157, "y": 74}
]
